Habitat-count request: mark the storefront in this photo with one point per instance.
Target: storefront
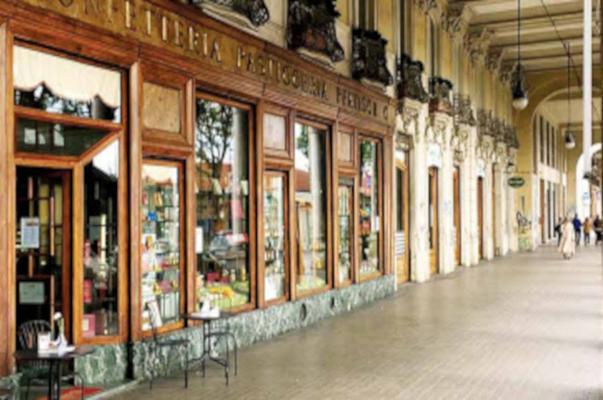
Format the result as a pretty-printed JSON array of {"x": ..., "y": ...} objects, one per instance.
[{"x": 153, "y": 155}]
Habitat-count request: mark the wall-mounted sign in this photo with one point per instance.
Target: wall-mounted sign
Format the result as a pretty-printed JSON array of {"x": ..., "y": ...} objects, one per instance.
[
  {"x": 516, "y": 181},
  {"x": 30, "y": 233}
]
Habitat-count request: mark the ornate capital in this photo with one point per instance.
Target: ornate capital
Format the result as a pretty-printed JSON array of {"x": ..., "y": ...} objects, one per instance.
[
  {"x": 455, "y": 20},
  {"x": 311, "y": 25},
  {"x": 410, "y": 111},
  {"x": 439, "y": 123},
  {"x": 368, "y": 57},
  {"x": 403, "y": 141},
  {"x": 477, "y": 43}
]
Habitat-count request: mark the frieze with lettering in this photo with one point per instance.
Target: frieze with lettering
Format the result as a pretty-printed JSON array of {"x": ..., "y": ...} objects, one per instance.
[{"x": 150, "y": 24}]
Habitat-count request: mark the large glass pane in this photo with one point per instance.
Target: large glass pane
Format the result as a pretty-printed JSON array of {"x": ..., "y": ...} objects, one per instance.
[
  {"x": 161, "y": 245},
  {"x": 345, "y": 225},
  {"x": 369, "y": 208},
  {"x": 310, "y": 207},
  {"x": 274, "y": 235},
  {"x": 222, "y": 195},
  {"x": 101, "y": 261},
  {"x": 55, "y": 139}
]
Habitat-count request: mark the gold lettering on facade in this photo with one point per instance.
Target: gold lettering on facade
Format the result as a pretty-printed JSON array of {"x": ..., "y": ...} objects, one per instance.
[
  {"x": 92, "y": 7},
  {"x": 130, "y": 15},
  {"x": 164, "y": 28},
  {"x": 193, "y": 39},
  {"x": 66, "y": 3},
  {"x": 215, "y": 52},
  {"x": 149, "y": 21},
  {"x": 177, "y": 28}
]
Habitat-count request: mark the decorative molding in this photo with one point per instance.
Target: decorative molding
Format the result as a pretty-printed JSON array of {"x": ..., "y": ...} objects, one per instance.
[
  {"x": 410, "y": 80},
  {"x": 477, "y": 43},
  {"x": 311, "y": 25},
  {"x": 255, "y": 11},
  {"x": 440, "y": 91},
  {"x": 410, "y": 112},
  {"x": 439, "y": 123},
  {"x": 368, "y": 57}
]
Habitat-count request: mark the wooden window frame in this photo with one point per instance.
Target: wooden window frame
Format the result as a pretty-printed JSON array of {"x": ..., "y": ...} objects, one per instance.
[
  {"x": 380, "y": 170},
  {"x": 328, "y": 132},
  {"x": 252, "y": 257},
  {"x": 157, "y": 160},
  {"x": 76, "y": 165}
]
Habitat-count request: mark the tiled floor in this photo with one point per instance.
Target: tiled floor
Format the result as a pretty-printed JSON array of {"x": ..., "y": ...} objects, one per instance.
[{"x": 522, "y": 327}]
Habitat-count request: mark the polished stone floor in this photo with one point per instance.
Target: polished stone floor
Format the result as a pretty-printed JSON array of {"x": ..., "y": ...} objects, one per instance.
[{"x": 527, "y": 326}]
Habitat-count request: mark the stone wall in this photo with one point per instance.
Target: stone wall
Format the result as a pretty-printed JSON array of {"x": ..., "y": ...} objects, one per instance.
[{"x": 109, "y": 364}]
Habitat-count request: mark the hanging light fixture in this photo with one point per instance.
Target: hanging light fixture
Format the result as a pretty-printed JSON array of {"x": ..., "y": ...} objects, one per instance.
[
  {"x": 570, "y": 140},
  {"x": 519, "y": 92}
]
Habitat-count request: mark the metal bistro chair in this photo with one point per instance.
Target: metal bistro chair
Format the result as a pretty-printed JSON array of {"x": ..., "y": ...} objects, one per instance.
[
  {"x": 27, "y": 335},
  {"x": 158, "y": 344}
]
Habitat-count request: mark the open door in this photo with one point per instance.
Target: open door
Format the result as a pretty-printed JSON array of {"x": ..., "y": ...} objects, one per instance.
[
  {"x": 480, "y": 216},
  {"x": 402, "y": 230},
  {"x": 433, "y": 221},
  {"x": 457, "y": 213}
]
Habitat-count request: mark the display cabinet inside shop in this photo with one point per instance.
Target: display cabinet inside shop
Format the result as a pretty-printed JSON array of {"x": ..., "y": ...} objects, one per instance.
[{"x": 160, "y": 263}]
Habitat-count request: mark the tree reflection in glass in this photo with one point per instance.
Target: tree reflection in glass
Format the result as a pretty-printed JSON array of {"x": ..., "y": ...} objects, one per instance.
[
  {"x": 310, "y": 207},
  {"x": 222, "y": 195},
  {"x": 369, "y": 208}
]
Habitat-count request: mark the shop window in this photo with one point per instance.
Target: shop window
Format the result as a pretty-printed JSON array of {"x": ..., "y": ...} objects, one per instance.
[
  {"x": 55, "y": 139},
  {"x": 101, "y": 261},
  {"x": 345, "y": 221},
  {"x": 65, "y": 86},
  {"x": 161, "y": 264},
  {"x": 222, "y": 203},
  {"x": 369, "y": 208},
  {"x": 310, "y": 207},
  {"x": 275, "y": 235}
]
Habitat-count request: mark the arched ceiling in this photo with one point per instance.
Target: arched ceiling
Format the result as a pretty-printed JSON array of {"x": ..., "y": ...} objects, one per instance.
[{"x": 541, "y": 48}]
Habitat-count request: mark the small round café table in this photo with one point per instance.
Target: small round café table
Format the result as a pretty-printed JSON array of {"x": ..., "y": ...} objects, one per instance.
[{"x": 55, "y": 362}]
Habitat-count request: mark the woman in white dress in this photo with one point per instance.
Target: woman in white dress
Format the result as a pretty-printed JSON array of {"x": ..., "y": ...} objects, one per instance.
[{"x": 567, "y": 247}]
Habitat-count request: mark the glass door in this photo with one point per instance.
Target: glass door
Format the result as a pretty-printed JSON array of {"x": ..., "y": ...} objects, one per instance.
[{"x": 43, "y": 245}]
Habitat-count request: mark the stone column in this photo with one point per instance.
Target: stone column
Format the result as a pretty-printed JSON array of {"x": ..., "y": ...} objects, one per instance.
[
  {"x": 488, "y": 147},
  {"x": 466, "y": 179},
  {"x": 500, "y": 181},
  {"x": 441, "y": 127},
  {"x": 512, "y": 226},
  {"x": 414, "y": 123},
  {"x": 473, "y": 214}
]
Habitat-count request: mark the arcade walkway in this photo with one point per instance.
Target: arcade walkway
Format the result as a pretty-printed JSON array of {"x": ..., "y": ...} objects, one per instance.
[{"x": 522, "y": 327}]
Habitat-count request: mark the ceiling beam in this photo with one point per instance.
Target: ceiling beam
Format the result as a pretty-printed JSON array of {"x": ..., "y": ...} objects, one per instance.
[
  {"x": 535, "y": 42},
  {"x": 543, "y": 18}
]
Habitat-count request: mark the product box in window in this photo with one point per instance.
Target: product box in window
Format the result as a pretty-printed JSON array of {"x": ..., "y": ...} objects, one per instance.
[
  {"x": 88, "y": 325},
  {"x": 88, "y": 286}
]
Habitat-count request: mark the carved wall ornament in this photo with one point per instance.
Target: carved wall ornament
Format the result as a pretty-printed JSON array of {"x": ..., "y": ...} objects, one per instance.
[
  {"x": 311, "y": 25},
  {"x": 410, "y": 80},
  {"x": 440, "y": 91},
  {"x": 254, "y": 10},
  {"x": 368, "y": 57},
  {"x": 485, "y": 123}
]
